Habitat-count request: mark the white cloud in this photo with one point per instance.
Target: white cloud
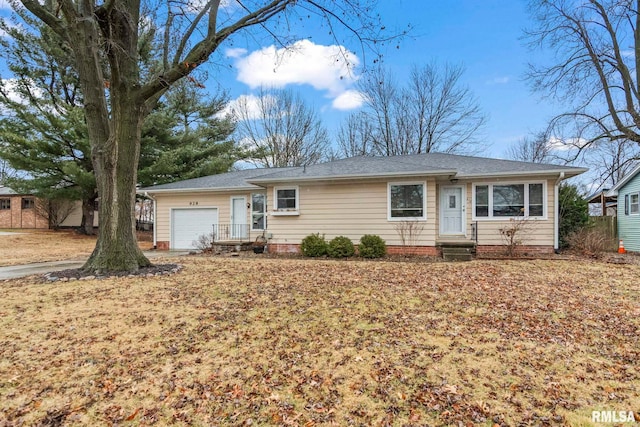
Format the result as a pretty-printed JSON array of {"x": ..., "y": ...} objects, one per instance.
[
  {"x": 236, "y": 52},
  {"x": 248, "y": 104},
  {"x": 13, "y": 91},
  {"x": 567, "y": 144},
  {"x": 499, "y": 80},
  {"x": 325, "y": 68},
  {"x": 348, "y": 100},
  {"x": 4, "y": 5}
]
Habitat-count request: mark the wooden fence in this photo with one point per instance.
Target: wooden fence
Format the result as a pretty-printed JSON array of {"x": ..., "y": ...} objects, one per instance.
[{"x": 609, "y": 226}]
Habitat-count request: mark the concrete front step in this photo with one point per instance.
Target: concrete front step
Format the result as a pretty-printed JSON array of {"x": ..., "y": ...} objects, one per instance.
[
  {"x": 457, "y": 250},
  {"x": 457, "y": 257}
]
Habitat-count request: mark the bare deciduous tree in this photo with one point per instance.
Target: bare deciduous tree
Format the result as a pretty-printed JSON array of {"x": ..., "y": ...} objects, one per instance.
[
  {"x": 534, "y": 148},
  {"x": 107, "y": 39},
  {"x": 55, "y": 211},
  {"x": 280, "y": 129},
  {"x": 609, "y": 162},
  {"x": 433, "y": 112},
  {"x": 595, "y": 69},
  {"x": 355, "y": 137},
  {"x": 6, "y": 172}
]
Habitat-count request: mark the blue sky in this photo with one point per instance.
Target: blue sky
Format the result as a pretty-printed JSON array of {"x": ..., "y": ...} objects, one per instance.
[{"x": 483, "y": 36}]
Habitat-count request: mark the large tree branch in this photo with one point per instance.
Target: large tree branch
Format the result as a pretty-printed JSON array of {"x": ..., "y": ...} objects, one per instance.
[
  {"x": 203, "y": 49},
  {"x": 56, "y": 24}
]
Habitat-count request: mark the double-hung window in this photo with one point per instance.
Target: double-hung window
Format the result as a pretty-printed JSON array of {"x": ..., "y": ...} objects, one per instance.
[
  {"x": 258, "y": 211},
  {"x": 407, "y": 201},
  {"x": 5, "y": 204},
  {"x": 509, "y": 200},
  {"x": 285, "y": 200},
  {"x": 634, "y": 204}
]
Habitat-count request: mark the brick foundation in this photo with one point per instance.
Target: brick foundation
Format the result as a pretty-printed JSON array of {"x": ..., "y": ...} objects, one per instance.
[
  {"x": 162, "y": 246},
  {"x": 417, "y": 250},
  {"x": 283, "y": 248},
  {"x": 290, "y": 248},
  {"x": 522, "y": 250}
]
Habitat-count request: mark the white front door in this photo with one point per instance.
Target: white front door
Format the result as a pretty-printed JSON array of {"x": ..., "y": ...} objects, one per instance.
[
  {"x": 452, "y": 208},
  {"x": 239, "y": 223}
]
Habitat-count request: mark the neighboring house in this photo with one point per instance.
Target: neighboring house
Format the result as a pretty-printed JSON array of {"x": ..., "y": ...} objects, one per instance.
[
  {"x": 25, "y": 211},
  {"x": 445, "y": 197},
  {"x": 603, "y": 203},
  {"x": 19, "y": 210},
  {"x": 628, "y": 192}
]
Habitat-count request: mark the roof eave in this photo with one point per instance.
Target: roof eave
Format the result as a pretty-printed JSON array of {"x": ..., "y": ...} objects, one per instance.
[
  {"x": 624, "y": 181},
  {"x": 195, "y": 190},
  {"x": 568, "y": 173},
  {"x": 352, "y": 177}
]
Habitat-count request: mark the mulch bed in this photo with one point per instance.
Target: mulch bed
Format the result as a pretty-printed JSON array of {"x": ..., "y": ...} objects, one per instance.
[{"x": 79, "y": 274}]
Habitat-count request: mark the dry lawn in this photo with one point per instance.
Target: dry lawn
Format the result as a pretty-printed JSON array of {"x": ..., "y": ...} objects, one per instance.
[
  {"x": 253, "y": 341},
  {"x": 43, "y": 245}
]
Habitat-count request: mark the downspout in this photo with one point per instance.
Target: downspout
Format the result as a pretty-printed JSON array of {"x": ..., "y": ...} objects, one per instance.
[
  {"x": 155, "y": 210},
  {"x": 556, "y": 217}
]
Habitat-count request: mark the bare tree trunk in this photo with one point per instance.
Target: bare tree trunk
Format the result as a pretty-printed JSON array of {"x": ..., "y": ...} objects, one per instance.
[
  {"x": 117, "y": 248},
  {"x": 86, "y": 225}
]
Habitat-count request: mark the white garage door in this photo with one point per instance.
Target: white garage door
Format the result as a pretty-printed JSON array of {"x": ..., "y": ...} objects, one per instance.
[{"x": 189, "y": 224}]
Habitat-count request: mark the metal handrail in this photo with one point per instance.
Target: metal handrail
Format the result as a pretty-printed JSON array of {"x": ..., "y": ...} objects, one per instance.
[{"x": 230, "y": 232}]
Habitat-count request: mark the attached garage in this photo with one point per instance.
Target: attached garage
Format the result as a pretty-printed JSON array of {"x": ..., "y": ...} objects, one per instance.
[{"x": 188, "y": 224}]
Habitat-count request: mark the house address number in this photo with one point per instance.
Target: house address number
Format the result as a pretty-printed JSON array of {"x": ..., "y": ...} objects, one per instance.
[{"x": 193, "y": 203}]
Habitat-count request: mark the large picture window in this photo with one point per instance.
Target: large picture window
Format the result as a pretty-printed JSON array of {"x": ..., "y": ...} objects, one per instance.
[
  {"x": 509, "y": 200},
  {"x": 407, "y": 201},
  {"x": 258, "y": 211}
]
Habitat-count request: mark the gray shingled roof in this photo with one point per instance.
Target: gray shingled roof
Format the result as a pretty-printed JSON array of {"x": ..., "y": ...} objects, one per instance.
[
  {"x": 6, "y": 191},
  {"x": 417, "y": 164},
  {"x": 372, "y": 167},
  {"x": 469, "y": 166},
  {"x": 227, "y": 181}
]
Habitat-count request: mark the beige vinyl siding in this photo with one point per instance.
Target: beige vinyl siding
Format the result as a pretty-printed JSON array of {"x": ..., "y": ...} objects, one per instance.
[
  {"x": 540, "y": 232},
  {"x": 75, "y": 217},
  {"x": 221, "y": 201},
  {"x": 350, "y": 209}
]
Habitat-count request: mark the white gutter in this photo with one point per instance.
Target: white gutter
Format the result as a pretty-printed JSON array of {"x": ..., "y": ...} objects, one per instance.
[
  {"x": 155, "y": 213},
  {"x": 572, "y": 172},
  {"x": 556, "y": 217}
]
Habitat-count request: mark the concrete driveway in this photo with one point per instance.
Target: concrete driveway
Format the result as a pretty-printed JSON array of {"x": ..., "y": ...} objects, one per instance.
[{"x": 17, "y": 271}]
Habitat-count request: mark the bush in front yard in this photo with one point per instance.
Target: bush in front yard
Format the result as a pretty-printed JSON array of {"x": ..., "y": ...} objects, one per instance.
[
  {"x": 589, "y": 241},
  {"x": 372, "y": 246},
  {"x": 341, "y": 247},
  {"x": 314, "y": 245}
]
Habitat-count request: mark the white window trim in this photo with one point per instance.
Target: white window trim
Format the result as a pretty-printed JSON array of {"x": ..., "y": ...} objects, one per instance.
[
  {"x": 424, "y": 201},
  {"x": 286, "y": 212},
  {"x": 631, "y": 204},
  {"x": 264, "y": 211},
  {"x": 545, "y": 201}
]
